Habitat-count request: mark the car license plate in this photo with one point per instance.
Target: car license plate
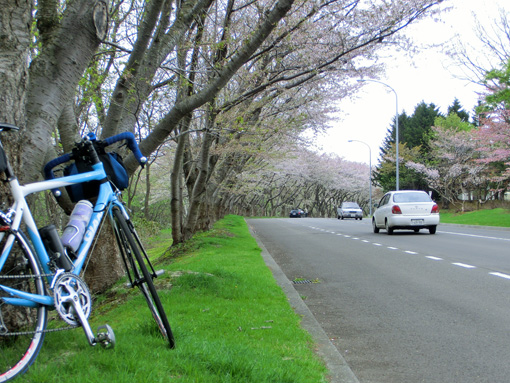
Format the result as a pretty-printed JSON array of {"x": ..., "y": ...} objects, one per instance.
[{"x": 417, "y": 222}]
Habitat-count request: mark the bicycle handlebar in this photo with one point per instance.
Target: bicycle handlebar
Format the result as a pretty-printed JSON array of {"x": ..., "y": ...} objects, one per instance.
[
  {"x": 48, "y": 168},
  {"x": 127, "y": 136},
  {"x": 131, "y": 142}
]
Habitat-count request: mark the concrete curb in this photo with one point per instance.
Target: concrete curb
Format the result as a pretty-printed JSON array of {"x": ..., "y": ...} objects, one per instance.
[{"x": 339, "y": 370}]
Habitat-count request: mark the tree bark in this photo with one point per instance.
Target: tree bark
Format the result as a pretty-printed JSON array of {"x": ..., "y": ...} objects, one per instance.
[
  {"x": 54, "y": 75},
  {"x": 15, "y": 22}
]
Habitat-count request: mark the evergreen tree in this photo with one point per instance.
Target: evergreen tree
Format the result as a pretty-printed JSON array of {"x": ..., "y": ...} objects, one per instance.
[
  {"x": 414, "y": 132},
  {"x": 456, "y": 108}
]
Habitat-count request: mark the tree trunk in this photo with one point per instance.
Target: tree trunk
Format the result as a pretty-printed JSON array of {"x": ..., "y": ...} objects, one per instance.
[
  {"x": 105, "y": 264},
  {"x": 196, "y": 198},
  {"x": 176, "y": 188},
  {"x": 54, "y": 75},
  {"x": 15, "y": 22}
]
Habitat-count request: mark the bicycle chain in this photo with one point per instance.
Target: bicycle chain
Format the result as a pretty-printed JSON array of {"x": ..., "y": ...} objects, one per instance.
[
  {"x": 39, "y": 332},
  {"x": 33, "y": 332},
  {"x": 25, "y": 276}
]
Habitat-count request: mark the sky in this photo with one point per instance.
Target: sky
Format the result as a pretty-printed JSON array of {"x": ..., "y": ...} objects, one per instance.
[{"x": 430, "y": 76}]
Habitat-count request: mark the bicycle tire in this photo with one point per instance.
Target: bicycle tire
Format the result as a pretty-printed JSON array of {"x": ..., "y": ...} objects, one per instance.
[
  {"x": 133, "y": 255},
  {"x": 21, "y": 328}
]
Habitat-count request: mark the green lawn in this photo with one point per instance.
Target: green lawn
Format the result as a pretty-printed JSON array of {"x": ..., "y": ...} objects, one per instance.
[
  {"x": 489, "y": 217},
  {"x": 232, "y": 323}
]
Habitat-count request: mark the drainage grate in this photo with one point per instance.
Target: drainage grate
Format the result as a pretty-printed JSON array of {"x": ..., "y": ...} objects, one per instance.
[{"x": 301, "y": 281}]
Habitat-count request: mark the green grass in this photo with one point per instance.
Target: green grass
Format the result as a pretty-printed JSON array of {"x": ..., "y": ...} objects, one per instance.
[
  {"x": 232, "y": 323},
  {"x": 488, "y": 217}
]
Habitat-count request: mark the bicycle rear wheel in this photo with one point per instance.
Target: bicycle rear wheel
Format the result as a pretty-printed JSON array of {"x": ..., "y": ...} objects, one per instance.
[
  {"x": 137, "y": 267},
  {"x": 21, "y": 327}
]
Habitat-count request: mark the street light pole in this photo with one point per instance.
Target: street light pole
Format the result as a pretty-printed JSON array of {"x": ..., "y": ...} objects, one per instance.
[
  {"x": 369, "y": 171},
  {"x": 396, "y": 126}
]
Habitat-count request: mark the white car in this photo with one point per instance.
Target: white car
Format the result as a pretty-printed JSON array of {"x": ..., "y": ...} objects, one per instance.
[{"x": 406, "y": 209}]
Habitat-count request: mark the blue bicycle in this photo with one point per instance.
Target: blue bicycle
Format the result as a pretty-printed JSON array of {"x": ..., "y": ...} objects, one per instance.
[{"x": 39, "y": 274}]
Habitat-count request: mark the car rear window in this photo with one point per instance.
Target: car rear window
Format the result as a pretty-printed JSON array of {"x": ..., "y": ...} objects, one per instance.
[
  {"x": 350, "y": 204},
  {"x": 411, "y": 197}
]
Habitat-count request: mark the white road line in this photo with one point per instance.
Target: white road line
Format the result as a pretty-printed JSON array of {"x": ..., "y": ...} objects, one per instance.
[
  {"x": 464, "y": 265},
  {"x": 477, "y": 236},
  {"x": 501, "y": 275}
]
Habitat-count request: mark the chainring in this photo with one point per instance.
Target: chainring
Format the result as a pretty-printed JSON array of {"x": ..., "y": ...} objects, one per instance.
[{"x": 70, "y": 291}]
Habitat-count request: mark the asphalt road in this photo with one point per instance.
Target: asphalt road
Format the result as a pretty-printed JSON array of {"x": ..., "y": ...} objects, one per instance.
[{"x": 402, "y": 308}]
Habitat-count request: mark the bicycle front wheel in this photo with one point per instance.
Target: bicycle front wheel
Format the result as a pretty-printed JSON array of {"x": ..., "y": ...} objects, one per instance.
[
  {"x": 22, "y": 324},
  {"x": 137, "y": 267}
]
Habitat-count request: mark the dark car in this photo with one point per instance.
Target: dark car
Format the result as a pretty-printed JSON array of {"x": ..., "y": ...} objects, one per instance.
[
  {"x": 295, "y": 213},
  {"x": 303, "y": 213}
]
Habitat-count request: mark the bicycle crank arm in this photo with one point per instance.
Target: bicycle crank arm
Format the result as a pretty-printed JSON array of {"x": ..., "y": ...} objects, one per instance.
[
  {"x": 105, "y": 336},
  {"x": 84, "y": 323}
]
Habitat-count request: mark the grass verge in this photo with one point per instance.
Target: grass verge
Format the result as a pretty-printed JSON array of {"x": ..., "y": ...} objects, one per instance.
[
  {"x": 232, "y": 323},
  {"x": 489, "y": 217}
]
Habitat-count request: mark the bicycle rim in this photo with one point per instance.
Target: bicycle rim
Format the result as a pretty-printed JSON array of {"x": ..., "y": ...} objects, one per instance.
[
  {"x": 138, "y": 273},
  {"x": 21, "y": 328}
]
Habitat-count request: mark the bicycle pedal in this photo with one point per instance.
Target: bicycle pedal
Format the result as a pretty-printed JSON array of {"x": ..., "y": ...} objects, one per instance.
[
  {"x": 159, "y": 273},
  {"x": 105, "y": 336}
]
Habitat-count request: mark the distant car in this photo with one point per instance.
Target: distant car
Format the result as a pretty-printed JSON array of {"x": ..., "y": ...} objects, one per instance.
[
  {"x": 303, "y": 213},
  {"x": 295, "y": 214},
  {"x": 406, "y": 209},
  {"x": 349, "y": 210}
]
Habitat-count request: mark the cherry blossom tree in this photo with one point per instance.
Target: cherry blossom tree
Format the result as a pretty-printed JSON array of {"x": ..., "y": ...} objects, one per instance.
[
  {"x": 455, "y": 171},
  {"x": 301, "y": 179},
  {"x": 493, "y": 138}
]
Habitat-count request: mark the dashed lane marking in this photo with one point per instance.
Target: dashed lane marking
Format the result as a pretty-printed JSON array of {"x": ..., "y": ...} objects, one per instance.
[
  {"x": 464, "y": 265},
  {"x": 501, "y": 275},
  {"x": 459, "y": 264}
]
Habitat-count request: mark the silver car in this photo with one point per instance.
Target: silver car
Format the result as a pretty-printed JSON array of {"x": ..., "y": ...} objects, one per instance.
[
  {"x": 349, "y": 210},
  {"x": 406, "y": 209}
]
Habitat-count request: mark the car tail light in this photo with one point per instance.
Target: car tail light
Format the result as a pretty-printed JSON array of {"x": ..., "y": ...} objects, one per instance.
[
  {"x": 435, "y": 209},
  {"x": 395, "y": 209}
]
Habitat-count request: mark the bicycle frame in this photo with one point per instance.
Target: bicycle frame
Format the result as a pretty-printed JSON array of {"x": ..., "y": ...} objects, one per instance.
[{"x": 105, "y": 200}]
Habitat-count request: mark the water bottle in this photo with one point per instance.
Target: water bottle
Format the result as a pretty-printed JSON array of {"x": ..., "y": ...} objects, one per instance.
[{"x": 75, "y": 229}]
